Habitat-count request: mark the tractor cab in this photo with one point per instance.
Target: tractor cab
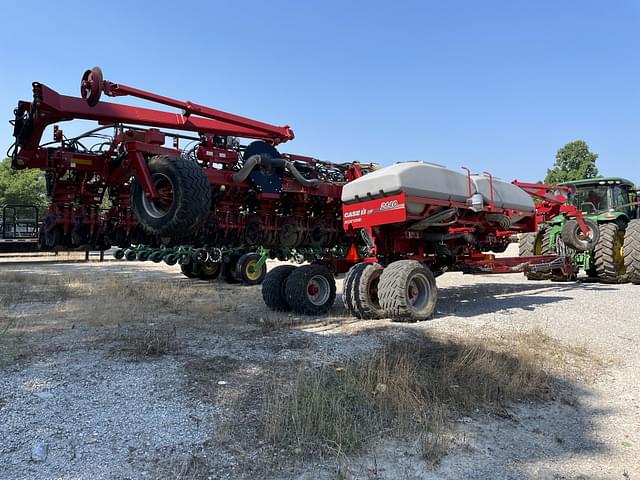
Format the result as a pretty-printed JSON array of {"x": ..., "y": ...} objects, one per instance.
[{"x": 605, "y": 198}]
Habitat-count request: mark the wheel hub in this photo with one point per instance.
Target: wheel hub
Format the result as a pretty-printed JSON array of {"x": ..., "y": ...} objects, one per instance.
[
  {"x": 318, "y": 290},
  {"x": 252, "y": 273},
  {"x": 159, "y": 207}
]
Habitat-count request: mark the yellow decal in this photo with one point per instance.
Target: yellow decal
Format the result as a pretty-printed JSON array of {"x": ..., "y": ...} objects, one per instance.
[{"x": 83, "y": 161}]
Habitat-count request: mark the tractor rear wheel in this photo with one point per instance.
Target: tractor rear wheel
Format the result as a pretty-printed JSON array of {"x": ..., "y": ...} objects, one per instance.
[
  {"x": 407, "y": 291},
  {"x": 310, "y": 289},
  {"x": 273, "y": 285},
  {"x": 363, "y": 292},
  {"x": 632, "y": 251},
  {"x": 608, "y": 254},
  {"x": 184, "y": 197}
]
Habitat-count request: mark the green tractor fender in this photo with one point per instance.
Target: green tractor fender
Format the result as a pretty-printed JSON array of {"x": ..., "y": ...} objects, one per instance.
[{"x": 610, "y": 216}]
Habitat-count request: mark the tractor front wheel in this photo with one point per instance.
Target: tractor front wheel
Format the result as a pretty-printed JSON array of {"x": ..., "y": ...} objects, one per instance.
[{"x": 573, "y": 236}]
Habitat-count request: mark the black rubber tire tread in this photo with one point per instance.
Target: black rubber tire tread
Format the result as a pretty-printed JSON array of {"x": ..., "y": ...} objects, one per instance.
[
  {"x": 192, "y": 197},
  {"x": 296, "y": 290},
  {"x": 347, "y": 288},
  {"x": 527, "y": 248},
  {"x": 241, "y": 273},
  {"x": 570, "y": 231},
  {"x": 366, "y": 307},
  {"x": 228, "y": 270},
  {"x": 203, "y": 275},
  {"x": 187, "y": 270},
  {"x": 604, "y": 256},
  {"x": 273, "y": 288},
  {"x": 392, "y": 291},
  {"x": 632, "y": 251}
]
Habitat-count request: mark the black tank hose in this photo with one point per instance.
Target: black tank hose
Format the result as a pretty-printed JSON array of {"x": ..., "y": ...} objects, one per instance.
[{"x": 255, "y": 160}]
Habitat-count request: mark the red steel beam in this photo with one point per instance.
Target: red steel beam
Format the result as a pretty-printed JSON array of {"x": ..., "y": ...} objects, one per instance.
[{"x": 69, "y": 108}]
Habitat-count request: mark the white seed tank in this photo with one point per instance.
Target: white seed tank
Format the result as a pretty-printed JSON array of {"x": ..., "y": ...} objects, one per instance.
[{"x": 429, "y": 180}]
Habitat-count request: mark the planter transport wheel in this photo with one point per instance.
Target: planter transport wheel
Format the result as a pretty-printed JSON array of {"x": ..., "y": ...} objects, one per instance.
[
  {"x": 347, "y": 288},
  {"x": 183, "y": 202},
  {"x": 248, "y": 269},
  {"x": 407, "y": 291},
  {"x": 363, "y": 291},
  {"x": 310, "y": 289},
  {"x": 273, "y": 286}
]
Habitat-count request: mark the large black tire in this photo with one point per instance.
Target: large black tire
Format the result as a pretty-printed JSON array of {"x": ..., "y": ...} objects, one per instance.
[
  {"x": 347, "y": 287},
  {"x": 228, "y": 269},
  {"x": 185, "y": 197},
  {"x": 572, "y": 235},
  {"x": 187, "y": 270},
  {"x": 530, "y": 245},
  {"x": 208, "y": 270},
  {"x": 608, "y": 256},
  {"x": 365, "y": 302},
  {"x": 632, "y": 251},
  {"x": 310, "y": 290},
  {"x": 407, "y": 291},
  {"x": 273, "y": 285},
  {"x": 246, "y": 272}
]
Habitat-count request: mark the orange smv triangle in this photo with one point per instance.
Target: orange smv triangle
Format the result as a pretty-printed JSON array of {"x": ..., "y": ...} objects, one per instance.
[{"x": 352, "y": 253}]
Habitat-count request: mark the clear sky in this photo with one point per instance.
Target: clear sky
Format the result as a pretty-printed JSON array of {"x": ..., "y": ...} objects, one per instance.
[{"x": 493, "y": 85}]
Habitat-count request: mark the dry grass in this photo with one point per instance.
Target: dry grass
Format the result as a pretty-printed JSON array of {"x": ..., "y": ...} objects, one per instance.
[
  {"x": 412, "y": 386},
  {"x": 152, "y": 340},
  {"x": 117, "y": 300}
]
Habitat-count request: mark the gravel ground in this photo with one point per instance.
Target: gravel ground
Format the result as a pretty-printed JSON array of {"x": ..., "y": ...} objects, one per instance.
[{"x": 77, "y": 407}]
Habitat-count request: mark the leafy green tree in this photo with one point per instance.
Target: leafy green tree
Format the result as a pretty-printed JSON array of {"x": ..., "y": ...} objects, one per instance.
[
  {"x": 26, "y": 187},
  {"x": 574, "y": 161}
]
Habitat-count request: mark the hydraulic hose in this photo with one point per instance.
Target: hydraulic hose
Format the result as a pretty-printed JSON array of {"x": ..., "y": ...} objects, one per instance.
[
  {"x": 255, "y": 160},
  {"x": 307, "y": 182},
  {"x": 242, "y": 174}
]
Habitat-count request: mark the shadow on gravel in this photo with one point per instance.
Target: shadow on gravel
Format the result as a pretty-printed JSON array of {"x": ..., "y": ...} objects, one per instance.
[
  {"x": 509, "y": 407},
  {"x": 478, "y": 299}
]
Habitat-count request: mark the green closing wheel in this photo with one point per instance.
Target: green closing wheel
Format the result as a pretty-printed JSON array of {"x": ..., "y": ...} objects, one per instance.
[{"x": 251, "y": 269}]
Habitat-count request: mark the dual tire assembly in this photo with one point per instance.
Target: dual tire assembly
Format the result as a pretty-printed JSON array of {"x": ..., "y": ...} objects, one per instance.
[{"x": 405, "y": 290}]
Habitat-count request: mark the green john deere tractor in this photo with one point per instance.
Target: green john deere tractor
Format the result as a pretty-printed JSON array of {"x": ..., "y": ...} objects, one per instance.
[{"x": 611, "y": 250}]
